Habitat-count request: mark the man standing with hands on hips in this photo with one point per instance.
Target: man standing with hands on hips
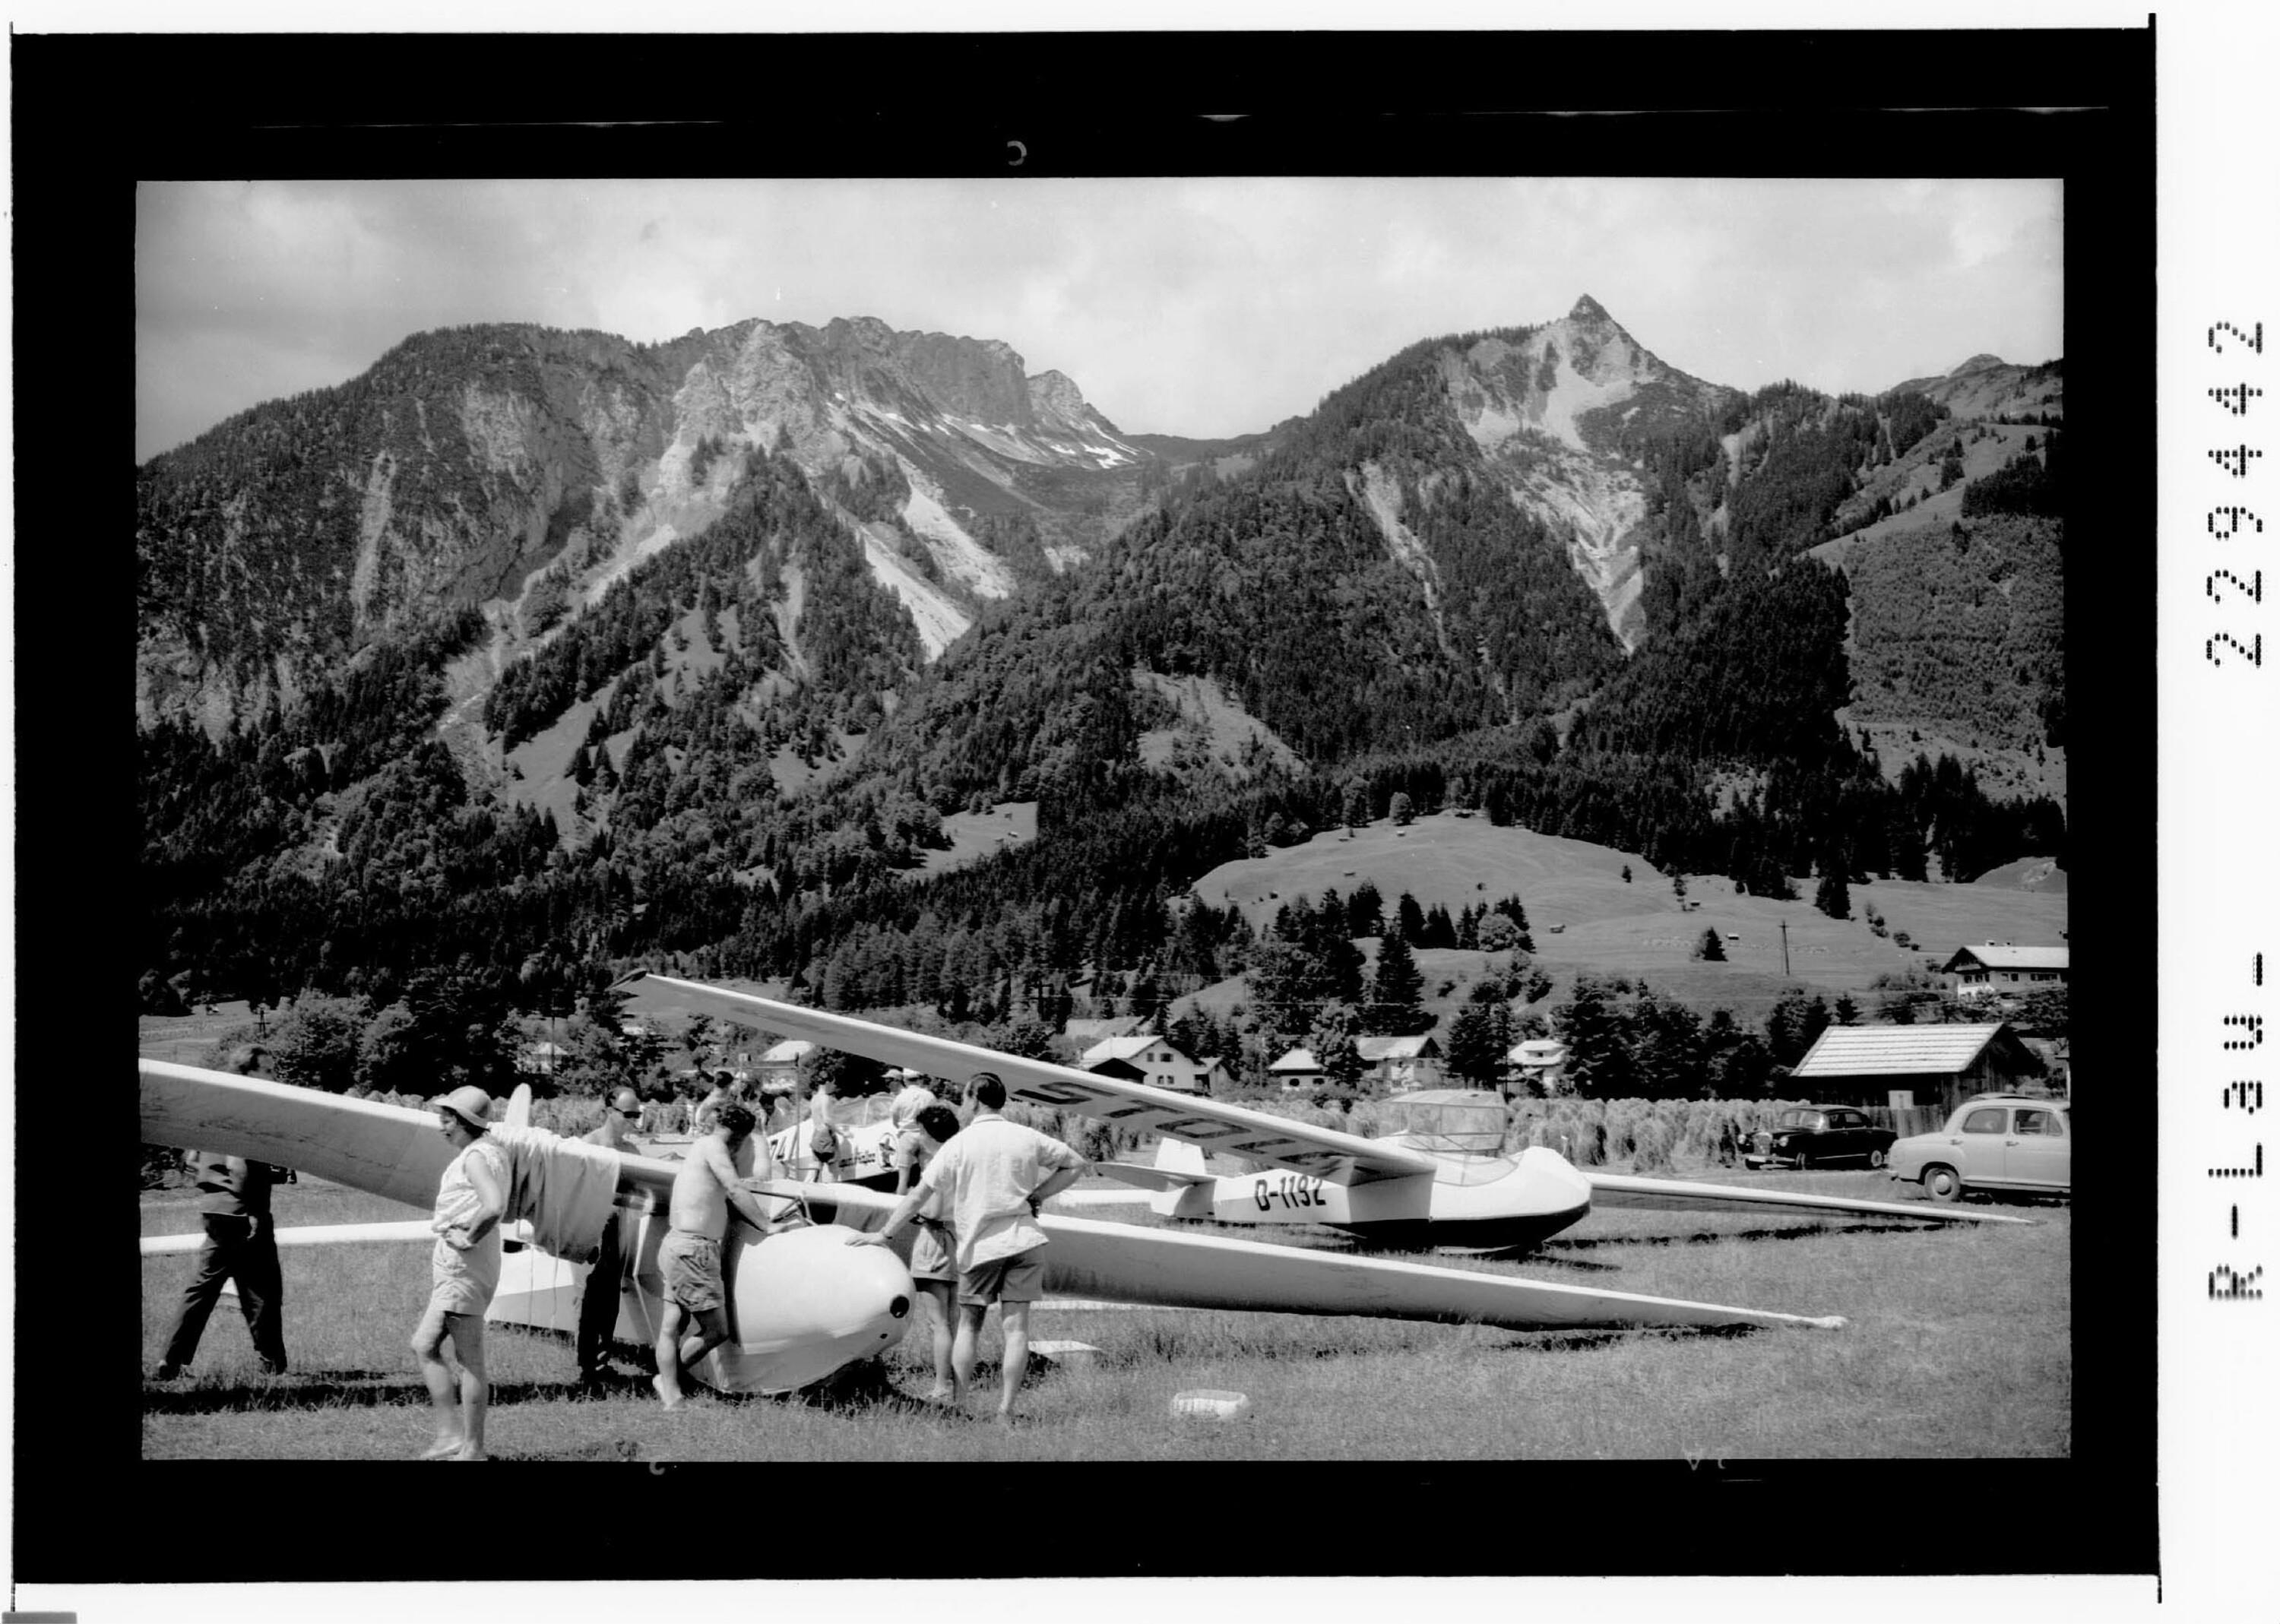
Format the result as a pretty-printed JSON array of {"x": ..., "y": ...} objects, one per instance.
[{"x": 993, "y": 1176}]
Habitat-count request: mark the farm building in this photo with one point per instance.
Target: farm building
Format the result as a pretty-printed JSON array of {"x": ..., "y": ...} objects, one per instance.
[
  {"x": 1298, "y": 1071},
  {"x": 1399, "y": 1063},
  {"x": 1537, "y": 1064},
  {"x": 1146, "y": 1058},
  {"x": 1937, "y": 1067},
  {"x": 2004, "y": 969}
]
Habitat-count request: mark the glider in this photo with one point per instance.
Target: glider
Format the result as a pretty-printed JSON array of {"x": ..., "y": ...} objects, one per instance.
[
  {"x": 803, "y": 1303},
  {"x": 1414, "y": 1189}
]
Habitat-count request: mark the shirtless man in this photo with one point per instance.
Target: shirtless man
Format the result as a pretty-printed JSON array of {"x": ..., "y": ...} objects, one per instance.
[{"x": 708, "y": 1184}]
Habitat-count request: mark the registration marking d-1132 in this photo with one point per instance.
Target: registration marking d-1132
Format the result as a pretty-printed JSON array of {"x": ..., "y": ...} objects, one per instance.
[{"x": 1291, "y": 1189}]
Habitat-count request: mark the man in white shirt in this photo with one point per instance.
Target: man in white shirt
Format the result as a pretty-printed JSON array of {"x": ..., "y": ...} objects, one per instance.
[{"x": 992, "y": 1175}]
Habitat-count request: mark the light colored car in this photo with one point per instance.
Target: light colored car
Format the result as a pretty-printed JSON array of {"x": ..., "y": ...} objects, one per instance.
[{"x": 1997, "y": 1142}]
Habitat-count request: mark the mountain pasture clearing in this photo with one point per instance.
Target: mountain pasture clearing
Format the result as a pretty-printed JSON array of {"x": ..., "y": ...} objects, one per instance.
[{"x": 1586, "y": 917}]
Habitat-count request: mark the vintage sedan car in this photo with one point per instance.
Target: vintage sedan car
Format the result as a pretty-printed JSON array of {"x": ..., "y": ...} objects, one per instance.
[
  {"x": 1805, "y": 1134},
  {"x": 2006, "y": 1142}
]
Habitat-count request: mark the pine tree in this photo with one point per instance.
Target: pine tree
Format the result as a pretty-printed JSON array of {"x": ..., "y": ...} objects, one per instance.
[
  {"x": 1480, "y": 1037},
  {"x": 1397, "y": 983}
]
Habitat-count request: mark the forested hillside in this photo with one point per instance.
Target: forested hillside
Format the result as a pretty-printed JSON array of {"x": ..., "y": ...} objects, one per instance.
[{"x": 1383, "y": 587}]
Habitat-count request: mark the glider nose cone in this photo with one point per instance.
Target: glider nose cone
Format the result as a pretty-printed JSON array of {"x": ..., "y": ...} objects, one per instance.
[
  {"x": 1554, "y": 1186},
  {"x": 808, "y": 1303}
]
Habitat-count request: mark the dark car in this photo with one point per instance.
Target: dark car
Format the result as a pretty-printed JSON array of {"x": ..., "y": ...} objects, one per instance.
[{"x": 1805, "y": 1134}]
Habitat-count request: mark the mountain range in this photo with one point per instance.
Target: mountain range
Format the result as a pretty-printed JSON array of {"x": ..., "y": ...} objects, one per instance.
[{"x": 548, "y": 647}]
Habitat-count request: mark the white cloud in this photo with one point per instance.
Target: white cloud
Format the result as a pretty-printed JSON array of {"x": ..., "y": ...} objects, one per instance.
[{"x": 1187, "y": 306}]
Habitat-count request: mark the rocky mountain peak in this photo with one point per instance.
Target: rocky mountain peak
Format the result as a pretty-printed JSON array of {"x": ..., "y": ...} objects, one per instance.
[
  {"x": 1055, "y": 395},
  {"x": 1977, "y": 364},
  {"x": 1589, "y": 309}
]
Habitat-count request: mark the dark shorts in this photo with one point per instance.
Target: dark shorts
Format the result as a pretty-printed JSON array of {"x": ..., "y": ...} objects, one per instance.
[
  {"x": 691, "y": 1265},
  {"x": 1018, "y": 1279}
]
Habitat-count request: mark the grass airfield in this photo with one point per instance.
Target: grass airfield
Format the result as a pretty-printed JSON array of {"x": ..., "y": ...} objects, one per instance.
[{"x": 1958, "y": 1344}]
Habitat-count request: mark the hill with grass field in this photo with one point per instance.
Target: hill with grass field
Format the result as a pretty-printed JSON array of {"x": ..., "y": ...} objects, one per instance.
[{"x": 1586, "y": 918}]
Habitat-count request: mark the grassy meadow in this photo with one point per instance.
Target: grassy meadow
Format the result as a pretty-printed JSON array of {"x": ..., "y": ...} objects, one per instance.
[
  {"x": 1958, "y": 1344},
  {"x": 1586, "y": 917}
]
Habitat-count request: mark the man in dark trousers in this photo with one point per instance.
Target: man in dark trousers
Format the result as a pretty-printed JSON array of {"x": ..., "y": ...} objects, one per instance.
[
  {"x": 242, "y": 1245},
  {"x": 598, "y": 1309}
]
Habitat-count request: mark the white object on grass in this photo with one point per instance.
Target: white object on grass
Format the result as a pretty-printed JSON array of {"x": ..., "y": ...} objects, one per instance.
[{"x": 1213, "y": 1404}]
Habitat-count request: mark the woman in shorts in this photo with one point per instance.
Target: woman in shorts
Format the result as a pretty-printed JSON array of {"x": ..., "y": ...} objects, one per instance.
[
  {"x": 933, "y": 1268},
  {"x": 466, "y": 1272}
]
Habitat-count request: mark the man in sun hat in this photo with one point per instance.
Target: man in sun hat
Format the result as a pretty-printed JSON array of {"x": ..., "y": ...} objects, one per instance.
[
  {"x": 465, "y": 1269},
  {"x": 598, "y": 1309}
]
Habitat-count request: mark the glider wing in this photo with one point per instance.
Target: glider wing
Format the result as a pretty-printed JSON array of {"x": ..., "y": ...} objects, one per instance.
[
  {"x": 1131, "y": 1263},
  {"x": 1613, "y": 1189},
  {"x": 1233, "y": 1130}
]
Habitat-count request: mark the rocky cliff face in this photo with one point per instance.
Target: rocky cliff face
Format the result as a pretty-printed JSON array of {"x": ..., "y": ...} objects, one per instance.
[
  {"x": 1548, "y": 410},
  {"x": 468, "y": 465}
]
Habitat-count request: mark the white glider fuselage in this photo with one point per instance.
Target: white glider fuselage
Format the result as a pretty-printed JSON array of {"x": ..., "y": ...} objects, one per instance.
[
  {"x": 801, "y": 1302},
  {"x": 1469, "y": 1202}
]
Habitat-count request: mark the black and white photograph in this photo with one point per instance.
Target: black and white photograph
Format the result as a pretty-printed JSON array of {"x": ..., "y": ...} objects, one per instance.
[
  {"x": 1209, "y": 809},
  {"x": 1286, "y": 674}
]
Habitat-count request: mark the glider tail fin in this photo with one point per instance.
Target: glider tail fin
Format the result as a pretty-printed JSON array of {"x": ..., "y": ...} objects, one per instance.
[{"x": 1180, "y": 1155}]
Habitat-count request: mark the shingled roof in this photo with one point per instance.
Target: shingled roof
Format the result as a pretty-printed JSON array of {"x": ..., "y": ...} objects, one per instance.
[
  {"x": 1418, "y": 1047},
  {"x": 1867, "y": 1052},
  {"x": 2007, "y": 956}
]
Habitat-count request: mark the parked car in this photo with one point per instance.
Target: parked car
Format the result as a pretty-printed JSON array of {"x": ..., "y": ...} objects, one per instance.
[
  {"x": 1809, "y": 1133},
  {"x": 2013, "y": 1141}
]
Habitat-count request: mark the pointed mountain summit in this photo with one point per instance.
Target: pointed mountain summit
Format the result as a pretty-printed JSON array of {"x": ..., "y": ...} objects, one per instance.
[{"x": 1552, "y": 409}]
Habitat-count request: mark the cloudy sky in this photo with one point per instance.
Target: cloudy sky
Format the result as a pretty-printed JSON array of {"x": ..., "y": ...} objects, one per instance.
[{"x": 1201, "y": 307}]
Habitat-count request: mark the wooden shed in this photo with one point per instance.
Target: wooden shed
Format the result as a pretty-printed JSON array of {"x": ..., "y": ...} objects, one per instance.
[{"x": 1930, "y": 1068}]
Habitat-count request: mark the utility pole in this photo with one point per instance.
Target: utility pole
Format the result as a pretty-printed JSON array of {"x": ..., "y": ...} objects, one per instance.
[{"x": 1784, "y": 925}]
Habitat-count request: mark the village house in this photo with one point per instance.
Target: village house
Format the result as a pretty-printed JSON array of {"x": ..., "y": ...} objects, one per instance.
[
  {"x": 1537, "y": 1064},
  {"x": 1298, "y": 1072},
  {"x": 2004, "y": 969},
  {"x": 1145, "y": 1056},
  {"x": 1398, "y": 1063},
  {"x": 1933, "y": 1068}
]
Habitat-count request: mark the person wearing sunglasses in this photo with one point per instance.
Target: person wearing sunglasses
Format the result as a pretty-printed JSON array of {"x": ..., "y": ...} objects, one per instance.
[{"x": 598, "y": 1309}]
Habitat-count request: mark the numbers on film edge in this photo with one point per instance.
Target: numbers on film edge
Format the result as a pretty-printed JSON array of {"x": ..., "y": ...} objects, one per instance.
[{"x": 2234, "y": 460}]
